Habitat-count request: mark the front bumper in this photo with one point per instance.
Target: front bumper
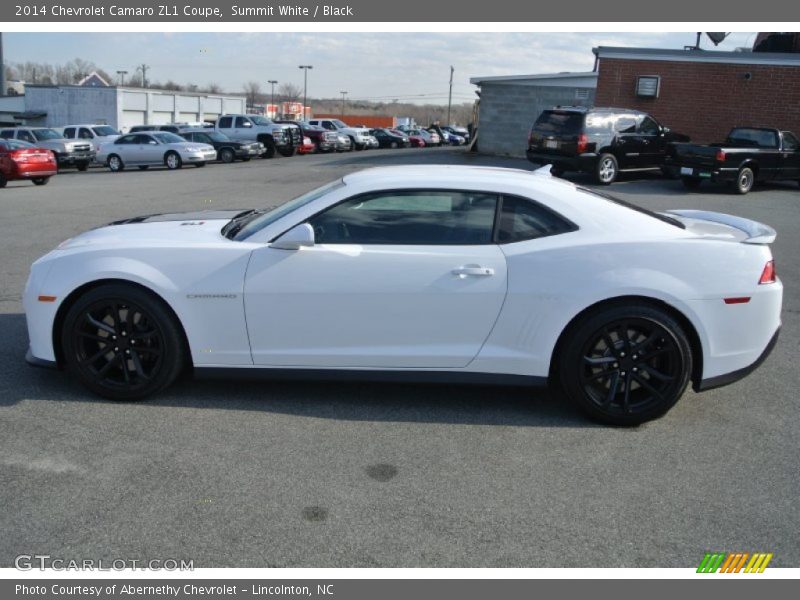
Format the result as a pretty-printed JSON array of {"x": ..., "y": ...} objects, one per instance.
[
  {"x": 249, "y": 152},
  {"x": 199, "y": 157},
  {"x": 74, "y": 158},
  {"x": 39, "y": 362}
]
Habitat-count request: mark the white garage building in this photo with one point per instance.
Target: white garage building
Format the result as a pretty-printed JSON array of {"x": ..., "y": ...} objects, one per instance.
[{"x": 121, "y": 107}]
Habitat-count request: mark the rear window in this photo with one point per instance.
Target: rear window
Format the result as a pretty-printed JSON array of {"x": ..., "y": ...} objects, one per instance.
[
  {"x": 559, "y": 122},
  {"x": 639, "y": 209},
  {"x": 753, "y": 138}
]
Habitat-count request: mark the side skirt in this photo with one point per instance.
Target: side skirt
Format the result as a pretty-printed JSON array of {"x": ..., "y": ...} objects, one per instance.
[{"x": 387, "y": 376}]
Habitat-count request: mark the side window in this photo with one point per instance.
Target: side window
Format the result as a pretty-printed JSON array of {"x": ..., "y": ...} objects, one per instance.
[
  {"x": 626, "y": 124},
  {"x": 522, "y": 219},
  {"x": 226, "y": 122},
  {"x": 648, "y": 126},
  {"x": 328, "y": 125},
  {"x": 790, "y": 142},
  {"x": 243, "y": 122},
  {"x": 7, "y": 134},
  {"x": 85, "y": 134},
  {"x": 413, "y": 217},
  {"x": 26, "y": 136},
  {"x": 69, "y": 132}
]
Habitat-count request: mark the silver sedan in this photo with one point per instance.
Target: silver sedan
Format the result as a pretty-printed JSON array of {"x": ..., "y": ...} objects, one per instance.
[{"x": 153, "y": 148}]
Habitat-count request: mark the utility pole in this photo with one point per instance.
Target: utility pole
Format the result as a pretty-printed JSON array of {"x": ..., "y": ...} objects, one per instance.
[
  {"x": 450, "y": 96},
  {"x": 2, "y": 69},
  {"x": 272, "y": 82},
  {"x": 305, "y": 86},
  {"x": 122, "y": 77},
  {"x": 343, "y": 97},
  {"x": 144, "y": 69}
]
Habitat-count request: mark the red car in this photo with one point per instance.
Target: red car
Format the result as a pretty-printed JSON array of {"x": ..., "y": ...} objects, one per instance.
[
  {"x": 415, "y": 140},
  {"x": 307, "y": 147},
  {"x": 21, "y": 160}
]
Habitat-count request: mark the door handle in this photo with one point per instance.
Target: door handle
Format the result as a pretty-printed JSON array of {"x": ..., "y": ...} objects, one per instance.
[{"x": 473, "y": 271}]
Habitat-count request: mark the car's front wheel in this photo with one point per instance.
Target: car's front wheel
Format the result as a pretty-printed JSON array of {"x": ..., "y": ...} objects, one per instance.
[
  {"x": 226, "y": 155},
  {"x": 625, "y": 364},
  {"x": 115, "y": 164},
  {"x": 40, "y": 180},
  {"x": 172, "y": 161},
  {"x": 122, "y": 342}
]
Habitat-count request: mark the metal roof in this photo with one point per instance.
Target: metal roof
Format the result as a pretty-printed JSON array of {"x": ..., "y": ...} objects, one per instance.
[
  {"x": 706, "y": 56},
  {"x": 537, "y": 77}
]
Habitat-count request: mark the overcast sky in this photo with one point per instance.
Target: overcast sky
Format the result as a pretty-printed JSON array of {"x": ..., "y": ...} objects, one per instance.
[{"x": 406, "y": 66}]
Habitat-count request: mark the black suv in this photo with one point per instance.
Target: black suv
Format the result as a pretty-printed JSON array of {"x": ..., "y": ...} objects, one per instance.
[{"x": 601, "y": 141}]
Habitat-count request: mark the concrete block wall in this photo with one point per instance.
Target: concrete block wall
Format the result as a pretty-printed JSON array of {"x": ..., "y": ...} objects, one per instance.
[{"x": 508, "y": 110}]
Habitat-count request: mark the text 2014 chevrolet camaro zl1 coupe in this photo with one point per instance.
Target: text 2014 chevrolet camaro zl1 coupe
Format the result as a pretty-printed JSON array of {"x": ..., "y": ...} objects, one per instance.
[{"x": 418, "y": 273}]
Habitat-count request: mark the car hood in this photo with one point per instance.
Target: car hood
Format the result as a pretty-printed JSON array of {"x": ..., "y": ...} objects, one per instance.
[{"x": 181, "y": 229}]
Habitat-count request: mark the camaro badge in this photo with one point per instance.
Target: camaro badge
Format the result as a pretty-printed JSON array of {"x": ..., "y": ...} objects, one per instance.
[{"x": 211, "y": 296}]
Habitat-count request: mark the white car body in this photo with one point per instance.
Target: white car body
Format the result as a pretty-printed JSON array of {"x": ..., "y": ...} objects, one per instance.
[
  {"x": 359, "y": 135},
  {"x": 494, "y": 310},
  {"x": 149, "y": 148},
  {"x": 96, "y": 134}
]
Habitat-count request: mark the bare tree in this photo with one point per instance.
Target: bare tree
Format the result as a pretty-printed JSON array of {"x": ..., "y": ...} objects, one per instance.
[
  {"x": 252, "y": 89},
  {"x": 289, "y": 92},
  {"x": 213, "y": 88}
]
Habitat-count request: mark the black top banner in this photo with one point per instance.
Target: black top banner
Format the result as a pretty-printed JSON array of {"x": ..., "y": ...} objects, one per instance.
[{"x": 451, "y": 11}]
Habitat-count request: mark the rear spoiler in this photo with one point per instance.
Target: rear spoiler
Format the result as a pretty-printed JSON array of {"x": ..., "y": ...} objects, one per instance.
[{"x": 757, "y": 233}]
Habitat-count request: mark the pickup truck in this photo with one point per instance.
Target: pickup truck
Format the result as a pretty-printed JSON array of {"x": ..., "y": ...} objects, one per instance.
[
  {"x": 74, "y": 153},
  {"x": 284, "y": 139},
  {"x": 359, "y": 136},
  {"x": 748, "y": 155}
]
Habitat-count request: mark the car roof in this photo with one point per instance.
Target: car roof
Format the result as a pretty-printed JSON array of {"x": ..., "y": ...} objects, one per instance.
[{"x": 455, "y": 175}]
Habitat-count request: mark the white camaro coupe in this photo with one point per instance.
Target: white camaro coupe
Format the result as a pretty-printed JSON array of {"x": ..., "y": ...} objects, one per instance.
[{"x": 437, "y": 273}]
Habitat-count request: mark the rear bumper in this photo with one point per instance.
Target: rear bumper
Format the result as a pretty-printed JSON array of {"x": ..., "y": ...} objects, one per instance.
[
  {"x": 582, "y": 162},
  {"x": 734, "y": 376},
  {"x": 716, "y": 174}
]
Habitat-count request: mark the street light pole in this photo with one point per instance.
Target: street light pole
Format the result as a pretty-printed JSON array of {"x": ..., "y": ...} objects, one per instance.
[
  {"x": 343, "y": 97},
  {"x": 272, "y": 82},
  {"x": 122, "y": 77},
  {"x": 305, "y": 86},
  {"x": 450, "y": 96}
]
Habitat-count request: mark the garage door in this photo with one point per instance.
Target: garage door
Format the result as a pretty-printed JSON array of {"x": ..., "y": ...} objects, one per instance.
[
  {"x": 131, "y": 118},
  {"x": 187, "y": 117},
  {"x": 161, "y": 117}
]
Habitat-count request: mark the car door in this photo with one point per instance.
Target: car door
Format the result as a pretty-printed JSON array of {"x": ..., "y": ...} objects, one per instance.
[
  {"x": 242, "y": 129},
  {"x": 396, "y": 279},
  {"x": 790, "y": 157},
  {"x": 629, "y": 142},
  {"x": 653, "y": 142}
]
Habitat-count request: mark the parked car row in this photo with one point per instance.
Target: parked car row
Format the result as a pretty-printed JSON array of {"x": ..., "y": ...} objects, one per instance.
[{"x": 608, "y": 141}]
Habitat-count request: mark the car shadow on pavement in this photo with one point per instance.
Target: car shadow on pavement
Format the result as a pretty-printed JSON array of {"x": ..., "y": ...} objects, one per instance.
[{"x": 349, "y": 401}]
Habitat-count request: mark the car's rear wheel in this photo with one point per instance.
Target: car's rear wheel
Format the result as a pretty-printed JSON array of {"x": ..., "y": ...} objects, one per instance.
[
  {"x": 624, "y": 365},
  {"x": 172, "y": 161},
  {"x": 3, "y": 181},
  {"x": 691, "y": 183},
  {"x": 40, "y": 180},
  {"x": 744, "y": 180},
  {"x": 122, "y": 342},
  {"x": 226, "y": 155},
  {"x": 82, "y": 166},
  {"x": 115, "y": 164},
  {"x": 607, "y": 169},
  {"x": 287, "y": 152}
]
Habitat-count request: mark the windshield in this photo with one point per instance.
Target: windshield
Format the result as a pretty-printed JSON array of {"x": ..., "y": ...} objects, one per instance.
[
  {"x": 268, "y": 218},
  {"x": 260, "y": 121},
  {"x": 105, "y": 130},
  {"x": 559, "y": 122},
  {"x": 753, "y": 138},
  {"x": 338, "y": 123},
  {"x": 165, "y": 137},
  {"x": 46, "y": 134}
]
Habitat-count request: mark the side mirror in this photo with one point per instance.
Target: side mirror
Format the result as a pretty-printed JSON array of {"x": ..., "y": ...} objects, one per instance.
[
  {"x": 665, "y": 130},
  {"x": 294, "y": 239}
]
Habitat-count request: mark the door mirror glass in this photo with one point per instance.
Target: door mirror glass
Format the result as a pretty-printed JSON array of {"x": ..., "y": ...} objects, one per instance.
[{"x": 296, "y": 238}]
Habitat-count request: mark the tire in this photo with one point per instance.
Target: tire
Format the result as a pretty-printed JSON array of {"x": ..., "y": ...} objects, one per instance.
[
  {"x": 200, "y": 165},
  {"x": 393, "y": 145},
  {"x": 114, "y": 163},
  {"x": 354, "y": 146},
  {"x": 227, "y": 155},
  {"x": 172, "y": 160},
  {"x": 82, "y": 166},
  {"x": 269, "y": 148},
  {"x": 603, "y": 352},
  {"x": 144, "y": 167},
  {"x": 40, "y": 180},
  {"x": 287, "y": 152},
  {"x": 142, "y": 339},
  {"x": 556, "y": 172},
  {"x": 691, "y": 183},
  {"x": 606, "y": 170},
  {"x": 745, "y": 180},
  {"x": 3, "y": 181},
  {"x": 245, "y": 159}
]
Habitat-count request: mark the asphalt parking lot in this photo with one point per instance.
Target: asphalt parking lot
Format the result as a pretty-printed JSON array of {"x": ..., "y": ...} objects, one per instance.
[{"x": 364, "y": 475}]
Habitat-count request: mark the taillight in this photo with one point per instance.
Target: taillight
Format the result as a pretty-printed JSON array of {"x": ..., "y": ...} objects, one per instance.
[
  {"x": 768, "y": 274},
  {"x": 583, "y": 143},
  {"x": 720, "y": 156}
]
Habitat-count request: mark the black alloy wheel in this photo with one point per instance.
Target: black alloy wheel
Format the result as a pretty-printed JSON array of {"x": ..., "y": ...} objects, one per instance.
[
  {"x": 122, "y": 343},
  {"x": 626, "y": 366}
]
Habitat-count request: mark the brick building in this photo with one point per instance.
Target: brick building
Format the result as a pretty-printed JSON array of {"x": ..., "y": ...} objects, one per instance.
[{"x": 702, "y": 93}]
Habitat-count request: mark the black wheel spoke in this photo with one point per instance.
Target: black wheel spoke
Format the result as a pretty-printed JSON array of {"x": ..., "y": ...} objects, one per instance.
[
  {"x": 600, "y": 375},
  {"x": 106, "y": 367},
  {"x": 137, "y": 363},
  {"x": 143, "y": 335},
  {"x": 612, "y": 389},
  {"x": 146, "y": 350},
  {"x": 94, "y": 357},
  {"x": 125, "y": 372},
  {"x": 626, "y": 404},
  {"x": 96, "y": 338},
  {"x": 657, "y": 374},
  {"x": 599, "y": 361},
  {"x": 646, "y": 385},
  {"x": 100, "y": 324}
]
